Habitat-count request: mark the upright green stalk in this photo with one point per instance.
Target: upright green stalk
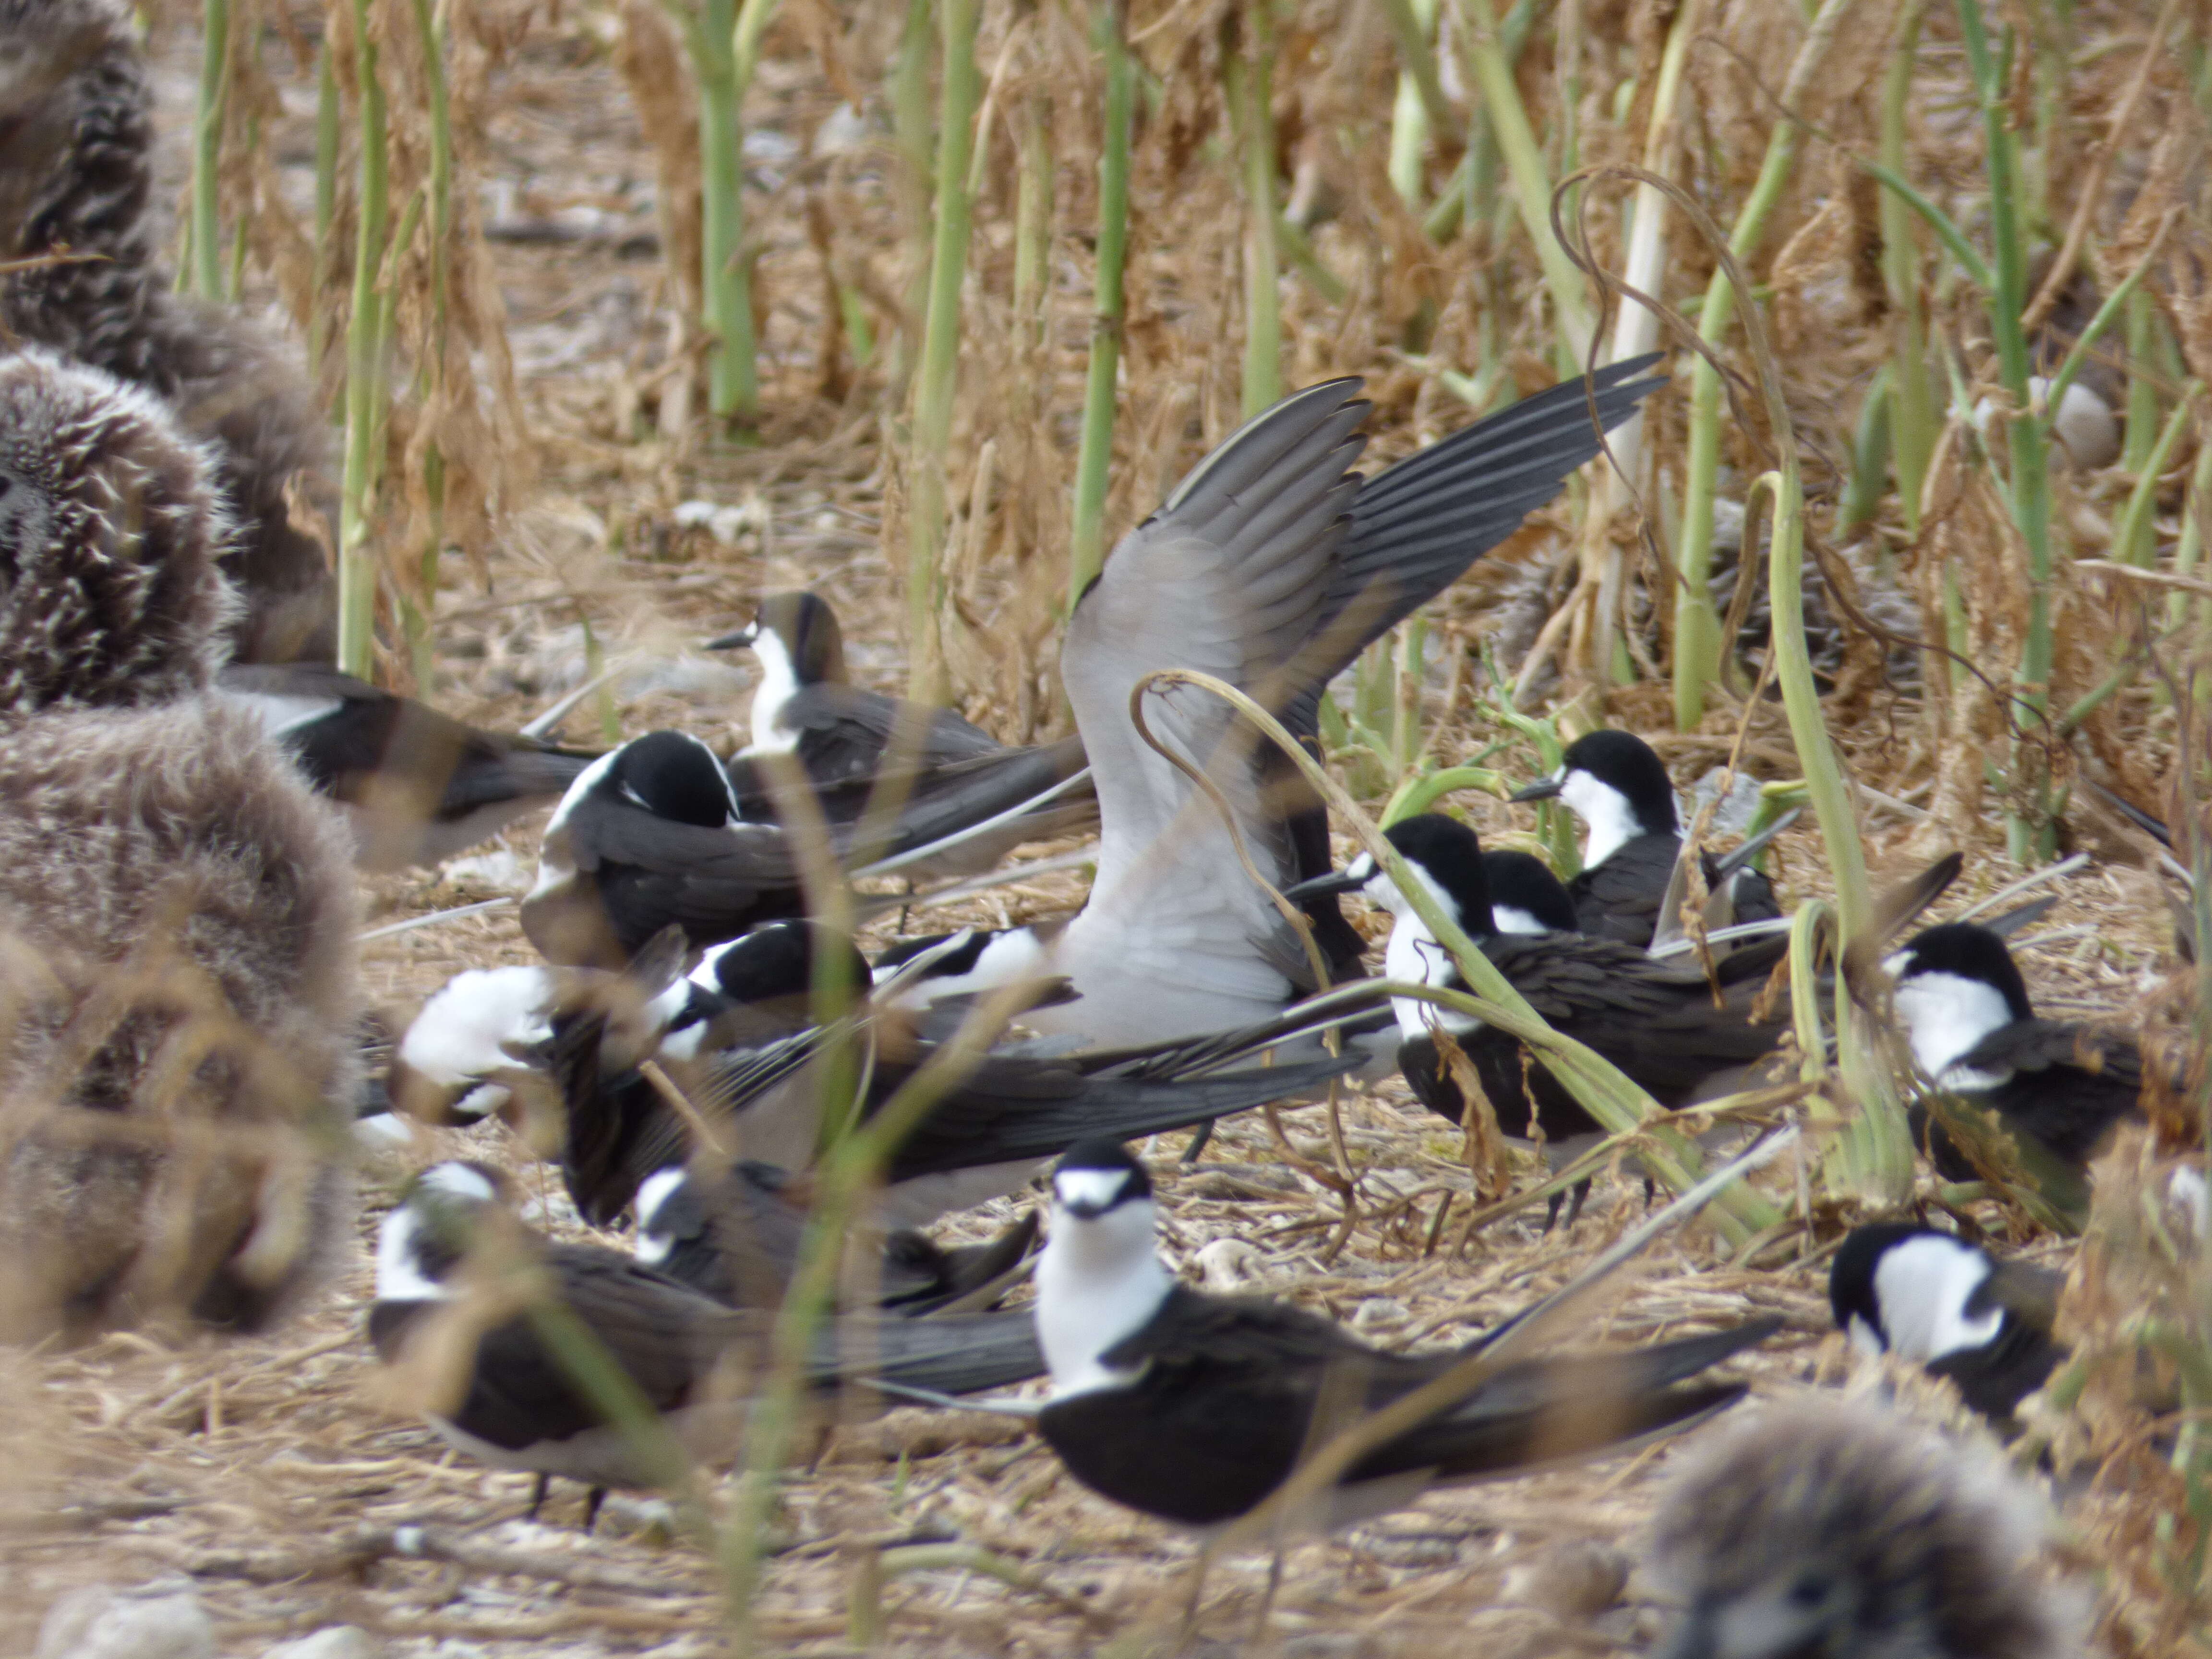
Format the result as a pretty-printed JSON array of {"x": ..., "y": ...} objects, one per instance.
[
  {"x": 1086, "y": 551},
  {"x": 1033, "y": 213},
  {"x": 364, "y": 422},
  {"x": 1697, "y": 643},
  {"x": 732, "y": 376},
  {"x": 1252, "y": 86},
  {"x": 1912, "y": 402},
  {"x": 940, "y": 345},
  {"x": 2029, "y": 835},
  {"x": 1531, "y": 183},
  {"x": 207, "y": 150},
  {"x": 2143, "y": 389},
  {"x": 911, "y": 138},
  {"x": 1419, "y": 109}
]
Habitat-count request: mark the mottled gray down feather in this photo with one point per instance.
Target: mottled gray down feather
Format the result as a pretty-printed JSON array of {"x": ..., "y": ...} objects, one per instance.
[
  {"x": 155, "y": 865},
  {"x": 75, "y": 177},
  {"x": 110, "y": 534}
]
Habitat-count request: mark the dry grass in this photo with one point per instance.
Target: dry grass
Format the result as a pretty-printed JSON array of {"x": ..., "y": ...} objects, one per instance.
[{"x": 274, "y": 1476}]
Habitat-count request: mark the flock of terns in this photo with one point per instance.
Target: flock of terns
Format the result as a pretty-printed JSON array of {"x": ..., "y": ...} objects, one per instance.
[{"x": 186, "y": 787}]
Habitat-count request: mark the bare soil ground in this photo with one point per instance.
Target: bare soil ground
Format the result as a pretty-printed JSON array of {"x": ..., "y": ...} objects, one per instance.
[{"x": 274, "y": 1476}]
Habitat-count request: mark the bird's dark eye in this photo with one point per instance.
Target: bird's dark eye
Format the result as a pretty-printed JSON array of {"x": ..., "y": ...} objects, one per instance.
[
  {"x": 1808, "y": 1591},
  {"x": 7, "y": 483}
]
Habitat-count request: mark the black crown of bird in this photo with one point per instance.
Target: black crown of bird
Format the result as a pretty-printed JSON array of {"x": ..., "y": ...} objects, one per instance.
[{"x": 168, "y": 881}]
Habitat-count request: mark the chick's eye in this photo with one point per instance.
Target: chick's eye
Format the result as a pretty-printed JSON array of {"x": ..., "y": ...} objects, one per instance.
[{"x": 1808, "y": 1591}]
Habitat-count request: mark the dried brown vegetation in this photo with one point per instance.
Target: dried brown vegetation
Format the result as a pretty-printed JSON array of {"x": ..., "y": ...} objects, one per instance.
[{"x": 549, "y": 486}]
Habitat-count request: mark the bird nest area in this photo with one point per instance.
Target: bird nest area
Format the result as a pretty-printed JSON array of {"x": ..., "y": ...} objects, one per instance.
[{"x": 284, "y": 1478}]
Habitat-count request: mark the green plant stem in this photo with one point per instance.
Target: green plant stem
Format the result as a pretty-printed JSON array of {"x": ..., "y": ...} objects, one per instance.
[
  {"x": 2030, "y": 835},
  {"x": 1420, "y": 109},
  {"x": 1912, "y": 425},
  {"x": 1095, "y": 451},
  {"x": 2190, "y": 548},
  {"x": 1033, "y": 215},
  {"x": 940, "y": 347},
  {"x": 1532, "y": 186},
  {"x": 207, "y": 150},
  {"x": 364, "y": 424},
  {"x": 1252, "y": 81},
  {"x": 732, "y": 375},
  {"x": 2142, "y": 425},
  {"x": 1697, "y": 643},
  {"x": 2134, "y": 542}
]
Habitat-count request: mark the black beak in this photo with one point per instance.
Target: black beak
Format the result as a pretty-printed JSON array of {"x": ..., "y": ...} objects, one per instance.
[
  {"x": 1336, "y": 881},
  {"x": 744, "y": 637},
  {"x": 1542, "y": 789}
]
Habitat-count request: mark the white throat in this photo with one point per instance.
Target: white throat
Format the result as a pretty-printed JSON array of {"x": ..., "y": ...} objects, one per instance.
[
  {"x": 1609, "y": 822},
  {"x": 464, "y": 1030},
  {"x": 779, "y": 684},
  {"x": 1945, "y": 1016},
  {"x": 1414, "y": 954},
  {"x": 1098, "y": 1283},
  {"x": 652, "y": 1247},
  {"x": 399, "y": 1275},
  {"x": 1922, "y": 1286}
]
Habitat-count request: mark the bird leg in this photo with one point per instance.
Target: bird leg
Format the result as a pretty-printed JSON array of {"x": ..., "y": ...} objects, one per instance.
[
  {"x": 1261, "y": 1619},
  {"x": 592, "y": 1499},
  {"x": 537, "y": 1496},
  {"x": 1198, "y": 1143}
]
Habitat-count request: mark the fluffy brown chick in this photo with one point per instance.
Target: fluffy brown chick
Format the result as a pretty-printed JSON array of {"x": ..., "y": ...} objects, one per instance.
[
  {"x": 75, "y": 178},
  {"x": 1823, "y": 1528},
  {"x": 176, "y": 909}
]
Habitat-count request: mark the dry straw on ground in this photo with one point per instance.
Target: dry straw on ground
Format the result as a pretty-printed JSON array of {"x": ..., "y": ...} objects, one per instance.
[{"x": 594, "y": 509}]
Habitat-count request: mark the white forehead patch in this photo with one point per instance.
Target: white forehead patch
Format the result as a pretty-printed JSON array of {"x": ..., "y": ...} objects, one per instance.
[
  {"x": 463, "y": 1029},
  {"x": 1093, "y": 1189}
]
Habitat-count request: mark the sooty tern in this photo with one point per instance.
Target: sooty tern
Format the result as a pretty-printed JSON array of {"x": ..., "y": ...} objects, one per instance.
[
  {"x": 506, "y": 1397},
  {"x": 417, "y": 786},
  {"x": 1656, "y": 1022},
  {"x": 655, "y": 833},
  {"x": 806, "y": 706},
  {"x": 1828, "y": 1528},
  {"x": 1270, "y": 565},
  {"x": 1974, "y": 1035},
  {"x": 1194, "y": 1408},
  {"x": 1008, "y": 1110},
  {"x": 1633, "y": 839},
  {"x": 1952, "y": 1307},
  {"x": 1525, "y": 897},
  {"x": 736, "y": 1236}
]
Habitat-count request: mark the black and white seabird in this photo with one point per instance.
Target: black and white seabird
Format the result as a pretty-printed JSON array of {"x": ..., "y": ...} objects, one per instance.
[
  {"x": 417, "y": 786},
  {"x": 1934, "y": 1299},
  {"x": 1194, "y": 1408},
  {"x": 736, "y": 1236},
  {"x": 1271, "y": 565},
  {"x": 1008, "y": 1110},
  {"x": 655, "y": 833},
  {"x": 1975, "y": 1035},
  {"x": 515, "y": 1406},
  {"x": 178, "y": 1070},
  {"x": 1654, "y": 1020},
  {"x": 1618, "y": 786},
  {"x": 81, "y": 231},
  {"x": 1830, "y": 1528},
  {"x": 1525, "y": 897},
  {"x": 806, "y": 706}
]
